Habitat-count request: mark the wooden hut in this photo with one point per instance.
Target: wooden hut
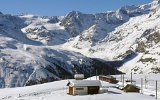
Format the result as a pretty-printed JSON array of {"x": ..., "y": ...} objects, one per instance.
[
  {"x": 131, "y": 88},
  {"x": 109, "y": 79},
  {"x": 83, "y": 87}
]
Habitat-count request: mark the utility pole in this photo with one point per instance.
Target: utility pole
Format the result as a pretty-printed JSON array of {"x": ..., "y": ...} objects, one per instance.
[
  {"x": 115, "y": 69},
  {"x": 121, "y": 77},
  {"x": 90, "y": 74},
  {"x": 156, "y": 89},
  {"x": 96, "y": 74},
  {"x": 141, "y": 85}
]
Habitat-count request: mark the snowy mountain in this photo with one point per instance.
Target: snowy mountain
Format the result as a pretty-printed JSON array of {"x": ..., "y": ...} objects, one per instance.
[
  {"x": 37, "y": 49},
  {"x": 129, "y": 35}
]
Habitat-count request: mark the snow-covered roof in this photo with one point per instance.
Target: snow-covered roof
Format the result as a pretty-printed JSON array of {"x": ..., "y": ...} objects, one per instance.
[{"x": 85, "y": 83}]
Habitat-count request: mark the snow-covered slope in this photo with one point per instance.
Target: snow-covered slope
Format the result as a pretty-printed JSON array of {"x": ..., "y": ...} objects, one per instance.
[
  {"x": 58, "y": 90},
  {"x": 36, "y": 49}
]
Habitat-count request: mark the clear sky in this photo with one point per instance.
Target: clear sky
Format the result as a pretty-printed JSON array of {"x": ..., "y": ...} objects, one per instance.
[{"x": 62, "y": 7}]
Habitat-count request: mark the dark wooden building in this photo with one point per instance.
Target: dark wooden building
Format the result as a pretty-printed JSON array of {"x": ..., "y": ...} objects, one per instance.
[
  {"x": 109, "y": 79},
  {"x": 131, "y": 88}
]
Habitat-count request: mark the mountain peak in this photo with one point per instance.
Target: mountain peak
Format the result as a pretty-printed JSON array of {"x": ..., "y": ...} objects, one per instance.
[{"x": 74, "y": 13}]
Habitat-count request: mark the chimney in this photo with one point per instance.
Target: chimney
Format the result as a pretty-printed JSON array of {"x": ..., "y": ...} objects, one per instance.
[{"x": 79, "y": 76}]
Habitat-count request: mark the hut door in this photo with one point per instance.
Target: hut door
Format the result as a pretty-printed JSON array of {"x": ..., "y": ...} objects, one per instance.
[
  {"x": 93, "y": 89},
  {"x": 71, "y": 90}
]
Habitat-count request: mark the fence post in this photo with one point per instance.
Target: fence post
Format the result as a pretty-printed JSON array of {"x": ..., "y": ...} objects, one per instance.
[
  {"x": 123, "y": 80},
  {"x": 131, "y": 77},
  {"x": 156, "y": 89},
  {"x": 141, "y": 85},
  {"x": 145, "y": 82},
  {"x": 121, "y": 77}
]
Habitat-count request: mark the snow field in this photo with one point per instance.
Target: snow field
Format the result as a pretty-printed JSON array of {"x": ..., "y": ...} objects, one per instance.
[{"x": 58, "y": 90}]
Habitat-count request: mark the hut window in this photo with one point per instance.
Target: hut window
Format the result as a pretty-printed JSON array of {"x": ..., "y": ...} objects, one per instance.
[{"x": 79, "y": 88}]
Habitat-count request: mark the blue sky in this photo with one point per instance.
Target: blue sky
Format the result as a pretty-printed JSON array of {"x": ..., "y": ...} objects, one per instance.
[{"x": 62, "y": 7}]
